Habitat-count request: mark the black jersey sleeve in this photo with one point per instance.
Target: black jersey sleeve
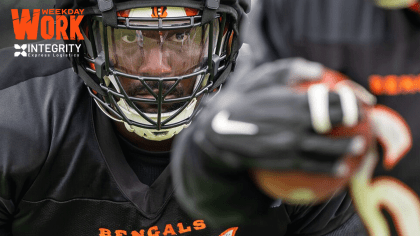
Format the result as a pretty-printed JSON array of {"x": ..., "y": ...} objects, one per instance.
[
  {"x": 25, "y": 125},
  {"x": 322, "y": 218},
  {"x": 268, "y": 31}
]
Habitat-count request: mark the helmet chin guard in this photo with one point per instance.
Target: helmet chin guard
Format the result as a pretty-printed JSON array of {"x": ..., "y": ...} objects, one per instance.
[
  {"x": 395, "y": 4},
  {"x": 153, "y": 134}
]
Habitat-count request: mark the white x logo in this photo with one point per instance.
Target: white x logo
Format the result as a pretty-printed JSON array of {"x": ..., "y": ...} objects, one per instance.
[{"x": 23, "y": 48}]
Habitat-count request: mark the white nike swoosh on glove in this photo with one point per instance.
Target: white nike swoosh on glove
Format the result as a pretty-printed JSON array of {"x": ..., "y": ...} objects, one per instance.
[{"x": 222, "y": 125}]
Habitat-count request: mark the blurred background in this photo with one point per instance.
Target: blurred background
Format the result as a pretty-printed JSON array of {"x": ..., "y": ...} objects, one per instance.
[{"x": 7, "y": 35}]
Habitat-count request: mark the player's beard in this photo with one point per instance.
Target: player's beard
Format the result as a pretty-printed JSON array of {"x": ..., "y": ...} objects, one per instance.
[{"x": 139, "y": 91}]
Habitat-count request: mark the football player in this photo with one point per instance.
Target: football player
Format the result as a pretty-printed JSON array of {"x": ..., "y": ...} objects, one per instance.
[
  {"x": 85, "y": 145},
  {"x": 375, "y": 43}
]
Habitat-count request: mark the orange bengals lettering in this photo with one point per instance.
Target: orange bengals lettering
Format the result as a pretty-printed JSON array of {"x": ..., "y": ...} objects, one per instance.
[
  {"x": 199, "y": 225},
  {"x": 104, "y": 232},
  {"x": 120, "y": 232},
  {"x": 153, "y": 231},
  {"x": 182, "y": 229},
  {"x": 137, "y": 233},
  {"x": 169, "y": 229}
]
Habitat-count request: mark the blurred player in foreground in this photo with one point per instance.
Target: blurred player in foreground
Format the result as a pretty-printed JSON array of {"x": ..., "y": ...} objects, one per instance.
[{"x": 258, "y": 122}]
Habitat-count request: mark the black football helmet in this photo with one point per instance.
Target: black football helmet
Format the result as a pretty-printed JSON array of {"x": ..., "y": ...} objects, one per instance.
[{"x": 150, "y": 63}]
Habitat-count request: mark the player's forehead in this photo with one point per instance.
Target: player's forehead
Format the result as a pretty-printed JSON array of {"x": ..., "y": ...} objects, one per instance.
[{"x": 165, "y": 33}]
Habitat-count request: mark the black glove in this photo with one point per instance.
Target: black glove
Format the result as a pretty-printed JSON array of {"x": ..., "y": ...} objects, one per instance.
[{"x": 258, "y": 121}]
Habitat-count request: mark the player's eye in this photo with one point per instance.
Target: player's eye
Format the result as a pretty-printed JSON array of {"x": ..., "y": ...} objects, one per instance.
[
  {"x": 129, "y": 38},
  {"x": 179, "y": 37}
]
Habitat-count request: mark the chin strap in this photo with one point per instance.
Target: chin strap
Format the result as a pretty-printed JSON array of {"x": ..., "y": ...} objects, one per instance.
[
  {"x": 222, "y": 78},
  {"x": 89, "y": 81}
]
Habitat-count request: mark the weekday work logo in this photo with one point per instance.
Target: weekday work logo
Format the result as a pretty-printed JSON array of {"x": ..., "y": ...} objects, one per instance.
[{"x": 49, "y": 23}]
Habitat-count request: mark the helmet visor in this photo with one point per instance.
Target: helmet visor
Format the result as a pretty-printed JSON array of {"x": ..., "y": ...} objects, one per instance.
[{"x": 153, "y": 53}]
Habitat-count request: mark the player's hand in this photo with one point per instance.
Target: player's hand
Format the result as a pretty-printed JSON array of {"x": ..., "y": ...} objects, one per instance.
[{"x": 261, "y": 121}]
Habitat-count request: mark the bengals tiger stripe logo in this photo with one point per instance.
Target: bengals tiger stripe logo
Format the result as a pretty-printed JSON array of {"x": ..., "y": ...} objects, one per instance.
[{"x": 159, "y": 12}]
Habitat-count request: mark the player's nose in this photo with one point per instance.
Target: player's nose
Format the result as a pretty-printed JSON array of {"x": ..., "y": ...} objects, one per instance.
[{"x": 155, "y": 63}]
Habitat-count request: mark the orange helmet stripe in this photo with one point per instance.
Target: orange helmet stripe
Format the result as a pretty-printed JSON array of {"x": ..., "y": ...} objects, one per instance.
[
  {"x": 123, "y": 13},
  {"x": 191, "y": 11}
]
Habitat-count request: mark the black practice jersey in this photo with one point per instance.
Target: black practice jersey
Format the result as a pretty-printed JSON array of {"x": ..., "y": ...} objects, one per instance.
[
  {"x": 62, "y": 170},
  {"x": 146, "y": 165},
  {"x": 379, "y": 49}
]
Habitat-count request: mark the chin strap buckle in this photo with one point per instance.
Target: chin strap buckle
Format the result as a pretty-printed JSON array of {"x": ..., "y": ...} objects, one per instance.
[
  {"x": 209, "y": 12},
  {"x": 215, "y": 63},
  {"x": 213, "y": 4},
  {"x": 109, "y": 12},
  {"x": 99, "y": 62}
]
